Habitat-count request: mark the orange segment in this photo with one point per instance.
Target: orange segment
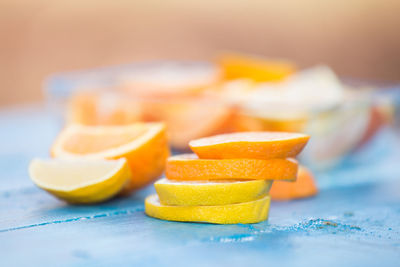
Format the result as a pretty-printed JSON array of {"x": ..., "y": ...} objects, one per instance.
[
  {"x": 237, "y": 66},
  {"x": 190, "y": 167},
  {"x": 254, "y": 145},
  {"x": 303, "y": 187},
  {"x": 144, "y": 145}
]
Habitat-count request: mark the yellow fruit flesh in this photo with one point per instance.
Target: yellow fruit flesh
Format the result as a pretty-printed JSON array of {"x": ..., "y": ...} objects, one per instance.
[
  {"x": 247, "y": 212},
  {"x": 209, "y": 193},
  {"x": 81, "y": 182}
]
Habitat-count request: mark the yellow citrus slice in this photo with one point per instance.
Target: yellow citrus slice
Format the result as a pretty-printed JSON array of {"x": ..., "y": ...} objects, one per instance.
[
  {"x": 209, "y": 193},
  {"x": 190, "y": 167},
  {"x": 247, "y": 212},
  {"x": 144, "y": 145},
  {"x": 255, "y": 145},
  {"x": 80, "y": 181}
]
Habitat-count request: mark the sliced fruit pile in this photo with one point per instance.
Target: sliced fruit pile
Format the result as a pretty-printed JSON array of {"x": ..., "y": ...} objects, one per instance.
[
  {"x": 94, "y": 163},
  {"x": 228, "y": 178}
]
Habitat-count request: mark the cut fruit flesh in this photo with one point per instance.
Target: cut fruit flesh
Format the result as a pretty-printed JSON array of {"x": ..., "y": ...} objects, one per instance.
[
  {"x": 247, "y": 212},
  {"x": 255, "y": 145},
  {"x": 209, "y": 193},
  {"x": 80, "y": 181},
  {"x": 190, "y": 167},
  {"x": 303, "y": 187},
  {"x": 144, "y": 145}
]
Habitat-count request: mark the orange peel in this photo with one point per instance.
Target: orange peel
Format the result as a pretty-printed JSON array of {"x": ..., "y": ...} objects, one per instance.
[
  {"x": 253, "y": 145},
  {"x": 190, "y": 167}
]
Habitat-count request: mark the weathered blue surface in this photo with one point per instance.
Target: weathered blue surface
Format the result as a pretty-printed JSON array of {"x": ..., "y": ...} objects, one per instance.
[{"x": 354, "y": 221}]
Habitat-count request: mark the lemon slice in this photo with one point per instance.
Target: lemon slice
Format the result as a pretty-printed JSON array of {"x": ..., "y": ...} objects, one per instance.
[
  {"x": 247, "y": 212},
  {"x": 80, "y": 181},
  {"x": 209, "y": 193}
]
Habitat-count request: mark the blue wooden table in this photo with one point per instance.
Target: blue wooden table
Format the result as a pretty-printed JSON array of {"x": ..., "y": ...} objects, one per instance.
[{"x": 354, "y": 221}]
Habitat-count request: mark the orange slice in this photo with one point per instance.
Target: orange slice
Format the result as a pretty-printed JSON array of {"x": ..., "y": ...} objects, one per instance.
[
  {"x": 258, "y": 69},
  {"x": 144, "y": 145},
  {"x": 303, "y": 187},
  {"x": 190, "y": 167},
  {"x": 254, "y": 145}
]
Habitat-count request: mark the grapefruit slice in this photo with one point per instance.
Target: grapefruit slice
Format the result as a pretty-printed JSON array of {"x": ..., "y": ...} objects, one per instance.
[
  {"x": 144, "y": 145},
  {"x": 190, "y": 167},
  {"x": 209, "y": 193},
  {"x": 247, "y": 212},
  {"x": 303, "y": 187},
  {"x": 254, "y": 145},
  {"x": 80, "y": 181}
]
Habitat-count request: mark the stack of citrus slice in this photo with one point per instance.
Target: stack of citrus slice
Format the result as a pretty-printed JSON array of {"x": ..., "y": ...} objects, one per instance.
[{"x": 228, "y": 178}]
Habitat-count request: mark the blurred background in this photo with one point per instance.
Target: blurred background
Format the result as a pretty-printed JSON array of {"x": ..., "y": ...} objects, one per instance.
[{"x": 358, "y": 39}]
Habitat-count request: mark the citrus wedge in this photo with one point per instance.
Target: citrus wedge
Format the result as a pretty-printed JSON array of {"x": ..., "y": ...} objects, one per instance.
[
  {"x": 302, "y": 188},
  {"x": 255, "y": 145},
  {"x": 190, "y": 167},
  {"x": 144, "y": 145},
  {"x": 247, "y": 212},
  {"x": 209, "y": 193},
  {"x": 80, "y": 181}
]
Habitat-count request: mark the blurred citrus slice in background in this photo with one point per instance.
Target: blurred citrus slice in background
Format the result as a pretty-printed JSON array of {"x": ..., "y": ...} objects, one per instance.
[
  {"x": 144, "y": 145},
  {"x": 236, "y": 66},
  {"x": 249, "y": 122},
  {"x": 190, "y": 167},
  {"x": 103, "y": 108},
  {"x": 254, "y": 145},
  {"x": 169, "y": 79},
  {"x": 210, "y": 193},
  {"x": 189, "y": 118},
  {"x": 80, "y": 181},
  {"x": 303, "y": 187},
  {"x": 246, "y": 212}
]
